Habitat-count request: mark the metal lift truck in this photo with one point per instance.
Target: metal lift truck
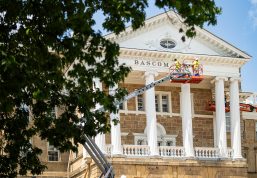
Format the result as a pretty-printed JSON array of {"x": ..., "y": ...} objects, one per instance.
[{"x": 182, "y": 76}]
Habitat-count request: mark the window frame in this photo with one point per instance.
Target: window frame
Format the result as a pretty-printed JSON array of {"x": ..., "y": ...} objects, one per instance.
[
  {"x": 143, "y": 103},
  {"x": 137, "y": 112},
  {"x": 167, "y": 43},
  {"x": 54, "y": 150},
  {"x": 160, "y": 102},
  {"x": 255, "y": 130}
]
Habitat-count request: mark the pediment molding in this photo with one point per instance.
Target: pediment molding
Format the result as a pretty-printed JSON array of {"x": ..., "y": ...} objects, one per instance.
[{"x": 174, "y": 19}]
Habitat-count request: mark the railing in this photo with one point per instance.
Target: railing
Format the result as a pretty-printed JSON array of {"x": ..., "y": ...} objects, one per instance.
[
  {"x": 206, "y": 152},
  {"x": 136, "y": 150},
  {"x": 230, "y": 153},
  {"x": 171, "y": 151}
]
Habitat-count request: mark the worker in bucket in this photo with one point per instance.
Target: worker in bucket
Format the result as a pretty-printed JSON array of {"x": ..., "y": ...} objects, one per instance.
[
  {"x": 196, "y": 67},
  {"x": 177, "y": 65}
]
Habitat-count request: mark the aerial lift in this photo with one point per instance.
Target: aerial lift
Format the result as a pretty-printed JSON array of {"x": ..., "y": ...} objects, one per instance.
[
  {"x": 243, "y": 107},
  {"x": 184, "y": 75}
]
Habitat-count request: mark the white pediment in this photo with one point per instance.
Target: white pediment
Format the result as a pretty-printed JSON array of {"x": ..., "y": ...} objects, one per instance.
[
  {"x": 151, "y": 40},
  {"x": 162, "y": 27}
]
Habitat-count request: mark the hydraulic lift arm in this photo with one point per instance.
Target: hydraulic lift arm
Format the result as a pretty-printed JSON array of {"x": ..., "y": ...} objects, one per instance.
[
  {"x": 178, "y": 76},
  {"x": 92, "y": 148}
]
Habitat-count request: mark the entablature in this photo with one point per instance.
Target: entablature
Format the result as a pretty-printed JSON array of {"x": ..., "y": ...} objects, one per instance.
[{"x": 159, "y": 61}]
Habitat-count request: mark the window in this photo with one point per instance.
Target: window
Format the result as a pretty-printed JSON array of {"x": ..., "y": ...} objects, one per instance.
[
  {"x": 163, "y": 102},
  {"x": 140, "y": 142},
  {"x": 121, "y": 106},
  {"x": 53, "y": 112},
  {"x": 140, "y": 103},
  {"x": 53, "y": 153},
  {"x": 170, "y": 143},
  {"x": 157, "y": 103},
  {"x": 162, "y": 138},
  {"x": 140, "y": 139},
  {"x": 255, "y": 130},
  {"x": 228, "y": 122},
  {"x": 167, "y": 140},
  {"x": 167, "y": 43}
]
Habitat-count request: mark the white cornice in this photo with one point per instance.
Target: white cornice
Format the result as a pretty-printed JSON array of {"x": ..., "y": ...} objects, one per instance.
[
  {"x": 221, "y": 44},
  {"x": 174, "y": 19},
  {"x": 164, "y": 56}
]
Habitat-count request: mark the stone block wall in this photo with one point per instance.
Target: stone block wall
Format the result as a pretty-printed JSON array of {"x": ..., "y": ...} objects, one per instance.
[
  {"x": 203, "y": 132},
  {"x": 201, "y": 99},
  {"x": 56, "y": 168},
  {"x": 168, "y": 168},
  {"x": 249, "y": 145},
  {"x": 202, "y": 127}
]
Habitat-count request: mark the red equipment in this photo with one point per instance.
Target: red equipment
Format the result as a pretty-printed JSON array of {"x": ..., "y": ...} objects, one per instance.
[
  {"x": 211, "y": 106},
  {"x": 243, "y": 107},
  {"x": 190, "y": 75}
]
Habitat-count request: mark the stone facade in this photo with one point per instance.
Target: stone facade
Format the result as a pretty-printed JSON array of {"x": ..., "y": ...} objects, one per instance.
[
  {"x": 202, "y": 127},
  {"x": 249, "y": 146},
  {"x": 161, "y": 168},
  {"x": 203, "y": 136},
  {"x": 178, "y": 139}
]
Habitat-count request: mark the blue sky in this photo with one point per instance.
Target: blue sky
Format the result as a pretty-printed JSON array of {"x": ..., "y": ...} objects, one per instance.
[{"x": 237, "y": 25}]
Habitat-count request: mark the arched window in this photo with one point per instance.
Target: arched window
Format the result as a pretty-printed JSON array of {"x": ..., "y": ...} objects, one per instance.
[{"x": 163, "y": 139}]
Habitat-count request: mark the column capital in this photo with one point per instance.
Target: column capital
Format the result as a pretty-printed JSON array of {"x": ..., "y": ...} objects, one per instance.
[
  {"x": 185, "y": 84},
  {"x": 219, "y": 78},
  {"x": 232, "y": 79},
  {"x": 151, "y": 72}
]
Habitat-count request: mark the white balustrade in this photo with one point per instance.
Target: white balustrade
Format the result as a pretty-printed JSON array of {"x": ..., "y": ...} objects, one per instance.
[
  {"x": 171, "y": 151},
  {"x": 136, "y": 150},
  {"x": 206, "y": 152},
  {"x": 230, "y": 153}
]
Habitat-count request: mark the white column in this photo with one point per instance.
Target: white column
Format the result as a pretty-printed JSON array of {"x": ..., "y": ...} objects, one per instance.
[
  {"x": 186, "y": 114},
  {"x": 235, "y": 118},
  {"x": 220, "y": 116},
  {"x": 151, "y": 114},
  {"x": 99, "y": 138},
  {"x": 115, "y": 129}
]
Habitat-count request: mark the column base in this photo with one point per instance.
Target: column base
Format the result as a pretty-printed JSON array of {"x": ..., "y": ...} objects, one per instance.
[
  {"x": 189, "y": 157},
  {"x": 224, "y": 158},
  {"x": 154, "y": 156},
  {"x": 118, "y": 156},
  {"x": 115, "y": 152},
  {"x": 238, "y": 158}
]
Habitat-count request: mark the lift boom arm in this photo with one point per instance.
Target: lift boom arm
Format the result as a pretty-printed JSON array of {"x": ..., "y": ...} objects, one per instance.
[
  {"x": 153, "y": 84},
  {"x": 92, "y": 148}
]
